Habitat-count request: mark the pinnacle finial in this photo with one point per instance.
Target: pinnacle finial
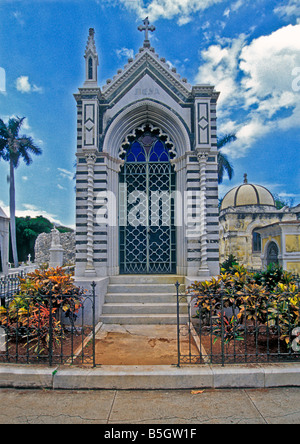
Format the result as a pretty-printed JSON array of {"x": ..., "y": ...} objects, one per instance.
[
  {"x": 245, "y": 178},
  {"x": 91, "y": 57},
  {"x": 91, "y": 46},
  {"x": 146, "y": 28}
]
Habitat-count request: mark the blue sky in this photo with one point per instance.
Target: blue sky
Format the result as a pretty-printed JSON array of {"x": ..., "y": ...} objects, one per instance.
[{"x": 250, "y": 50}]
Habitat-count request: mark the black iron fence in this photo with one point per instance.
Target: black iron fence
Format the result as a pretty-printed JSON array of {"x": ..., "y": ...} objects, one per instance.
[
  {"x": 9, "y": 286},
  {"x": 46, "y": 329},
  {"x": 239, "y": 326}
]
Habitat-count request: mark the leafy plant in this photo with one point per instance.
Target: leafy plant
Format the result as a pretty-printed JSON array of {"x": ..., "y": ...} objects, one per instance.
[
  {"x": 249, "y": 302},
  {"x": 35, "y": 313},
  {"x": 230, "y": 329},
  {"x": 272, "y": 276},
  {"x": 229, "y": 264}
]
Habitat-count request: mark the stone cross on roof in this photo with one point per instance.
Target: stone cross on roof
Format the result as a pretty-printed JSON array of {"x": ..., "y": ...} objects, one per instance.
[{"x": 146, "y": 28}]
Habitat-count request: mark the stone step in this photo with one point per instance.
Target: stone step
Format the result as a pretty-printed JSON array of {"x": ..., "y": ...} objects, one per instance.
[
  {"x": 143, "y": 309},
  {"x": 143, "y": 319},
  {"x": 143, "y": 299},
  {"x": 142, "y": 288},
  {"x": 147, "y": 279},
  {"x": 119, "y": 298}
]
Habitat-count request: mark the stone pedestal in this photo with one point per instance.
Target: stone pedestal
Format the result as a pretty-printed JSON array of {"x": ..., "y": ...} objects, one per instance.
[
  {"x": 56, "y": 250},
  {"x": 56, "y": 256},
  {"x": 2, "y": 339}
]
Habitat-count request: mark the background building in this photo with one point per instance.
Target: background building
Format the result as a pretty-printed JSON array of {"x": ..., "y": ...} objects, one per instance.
[{"x": 253, "y": 230}]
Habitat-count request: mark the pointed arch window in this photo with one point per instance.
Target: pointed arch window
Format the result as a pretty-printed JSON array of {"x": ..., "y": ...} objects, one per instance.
[
  {"x": 90, "y": 73},
  {"x": 148, "y": 148}
]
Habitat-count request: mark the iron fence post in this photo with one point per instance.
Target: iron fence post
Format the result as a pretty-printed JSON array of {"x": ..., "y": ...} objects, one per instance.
[
  {"x": 94, "y": 322},
  {"x": 50, "y": 330},
  {"x": 177, "y": 285},
  {"x": 222, "y": 330}
]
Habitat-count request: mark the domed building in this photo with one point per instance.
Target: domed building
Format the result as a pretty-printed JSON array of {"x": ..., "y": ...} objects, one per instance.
[
  {"x": 253, "y": 229},
  {"x": 248, "y": 194}
]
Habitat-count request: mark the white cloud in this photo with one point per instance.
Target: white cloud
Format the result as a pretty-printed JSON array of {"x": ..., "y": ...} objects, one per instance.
[
  {"x": 31, "y": 211},
  {"x": 221, "y": 68},
  {"x": 65, "y": 174},
  {"x": 60, "y": 187},
  {"x": 256, "y": 84},
  {"x": 125, "y": 52},
  {"x": 234, "y": 7},
  {"x": 18, "y": 16},
  {"x": 24, "y": 86},
  {"x": 292, "y": 8},
  {"x": 168, "y": 9},
  {"x": 184, "y": 20}
]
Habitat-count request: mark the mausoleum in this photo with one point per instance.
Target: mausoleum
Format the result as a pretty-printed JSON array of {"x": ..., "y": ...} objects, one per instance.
[{"x": 146, "y": 180}]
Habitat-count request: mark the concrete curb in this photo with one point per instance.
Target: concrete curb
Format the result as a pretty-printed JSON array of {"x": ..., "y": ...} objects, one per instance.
[{"x": 150, "y": 377}]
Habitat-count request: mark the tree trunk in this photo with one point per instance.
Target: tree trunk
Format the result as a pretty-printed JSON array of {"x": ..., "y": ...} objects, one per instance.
[{"x": 12, "y": 208}]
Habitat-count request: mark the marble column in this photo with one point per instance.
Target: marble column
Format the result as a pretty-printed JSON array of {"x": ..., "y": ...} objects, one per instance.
[
  {"x": 203, "y": 270},
  {"x": 90, "y": 268}
]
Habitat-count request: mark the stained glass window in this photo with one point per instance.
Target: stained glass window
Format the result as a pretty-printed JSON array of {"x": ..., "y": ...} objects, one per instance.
[{"x": 147, "y": 149}]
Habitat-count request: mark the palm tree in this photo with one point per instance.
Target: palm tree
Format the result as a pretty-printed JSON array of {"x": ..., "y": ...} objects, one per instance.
[
  {"x": 13, "y": 148},
  {"x": 223, "y": 163}
]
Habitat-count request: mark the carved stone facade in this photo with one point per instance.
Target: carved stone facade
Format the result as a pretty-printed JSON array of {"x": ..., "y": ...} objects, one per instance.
[{"x": 147, "y": 93}]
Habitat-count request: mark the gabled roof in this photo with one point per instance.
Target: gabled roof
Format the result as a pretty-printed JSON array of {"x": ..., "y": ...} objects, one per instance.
[
  {"x": 147, "y": 62},
  {"x": 2, "y": 214}
]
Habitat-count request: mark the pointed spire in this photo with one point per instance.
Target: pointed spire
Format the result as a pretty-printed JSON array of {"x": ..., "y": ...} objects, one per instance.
[
  {"x": 91, "y": 58},
  {"x": 91, "y": 45}
]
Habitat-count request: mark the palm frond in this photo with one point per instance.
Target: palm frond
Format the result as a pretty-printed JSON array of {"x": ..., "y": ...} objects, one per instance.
[
  {"x": 224, "y": 166},
  {"x": 14, "y": 125},
  {"x": 228, "y": 138},
  {"x": 3, "y": 130}
]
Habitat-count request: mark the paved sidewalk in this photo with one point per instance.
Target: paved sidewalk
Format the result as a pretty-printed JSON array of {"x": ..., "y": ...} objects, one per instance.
[{"x": 268, "y": 406}]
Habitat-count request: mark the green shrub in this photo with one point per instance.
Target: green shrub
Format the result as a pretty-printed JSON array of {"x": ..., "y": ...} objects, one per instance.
[
  {"x": 272, "y": 276},
  {"x": 229, "y": 265},
  {"x": 269, "y": 298}
]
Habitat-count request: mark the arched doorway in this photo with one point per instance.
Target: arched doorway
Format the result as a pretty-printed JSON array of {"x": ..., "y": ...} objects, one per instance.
[
  {"x": 272, "y": 254},
  {"x": 146, "y": 211}
]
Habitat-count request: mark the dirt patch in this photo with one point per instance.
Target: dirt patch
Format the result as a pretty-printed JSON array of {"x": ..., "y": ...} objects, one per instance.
[{"x": 138, "y": 345}]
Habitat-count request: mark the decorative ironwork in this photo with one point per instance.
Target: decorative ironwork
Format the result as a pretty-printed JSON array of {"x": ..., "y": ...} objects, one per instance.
[{"x": 148, "y": 237}]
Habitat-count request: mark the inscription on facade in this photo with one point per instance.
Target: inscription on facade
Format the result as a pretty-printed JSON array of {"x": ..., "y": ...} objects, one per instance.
[{"x": 147, "y": 92}]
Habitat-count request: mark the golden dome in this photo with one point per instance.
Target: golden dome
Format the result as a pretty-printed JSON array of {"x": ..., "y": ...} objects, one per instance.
[{"x": 247, "y": 194}]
